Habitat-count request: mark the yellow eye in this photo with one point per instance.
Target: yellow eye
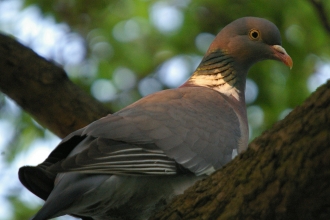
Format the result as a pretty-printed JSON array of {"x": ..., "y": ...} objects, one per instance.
[{"x": 254, "y": 34}]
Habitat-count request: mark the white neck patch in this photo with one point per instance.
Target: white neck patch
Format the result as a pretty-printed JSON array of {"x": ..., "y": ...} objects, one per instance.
[{"x": 218, "y": 82}]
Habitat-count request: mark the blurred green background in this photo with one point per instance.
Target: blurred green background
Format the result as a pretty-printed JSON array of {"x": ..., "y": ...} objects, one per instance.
[{"x": 122, "y": 50}]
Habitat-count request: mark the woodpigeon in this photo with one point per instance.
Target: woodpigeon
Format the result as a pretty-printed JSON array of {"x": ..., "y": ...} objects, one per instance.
[{"x": 129, "y": 164}]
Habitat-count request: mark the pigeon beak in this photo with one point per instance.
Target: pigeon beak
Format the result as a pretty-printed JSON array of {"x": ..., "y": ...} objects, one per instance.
[{"x": 282, "y": 55}]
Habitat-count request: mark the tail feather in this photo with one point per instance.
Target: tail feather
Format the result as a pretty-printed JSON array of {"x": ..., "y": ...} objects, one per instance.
[
  {"x": 56, "y": 205},
  {"x": 70, "y": 189}
]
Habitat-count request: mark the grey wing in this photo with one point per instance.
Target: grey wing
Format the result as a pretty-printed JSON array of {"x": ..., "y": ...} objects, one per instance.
[
  {"x": 106, "y": 156},
  {"x": 194, "y": 127}
]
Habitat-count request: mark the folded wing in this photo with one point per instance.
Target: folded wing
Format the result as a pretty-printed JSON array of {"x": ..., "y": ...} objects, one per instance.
[{"x": 171, "y": 131}]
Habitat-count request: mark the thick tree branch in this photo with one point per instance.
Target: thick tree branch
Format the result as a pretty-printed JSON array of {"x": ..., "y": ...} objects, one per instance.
[
  {"x": 284, "y": 174},
  {"x": 44, "y": 90}
]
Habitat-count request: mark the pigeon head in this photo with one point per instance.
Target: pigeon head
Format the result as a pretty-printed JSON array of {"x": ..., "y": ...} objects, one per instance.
[
  {"x": 249, "y": 40},
  {"x": 235, "y": 49}
]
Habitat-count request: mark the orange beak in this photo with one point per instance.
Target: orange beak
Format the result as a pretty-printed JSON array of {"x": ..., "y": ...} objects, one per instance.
[{"x": 282, "y": 55}]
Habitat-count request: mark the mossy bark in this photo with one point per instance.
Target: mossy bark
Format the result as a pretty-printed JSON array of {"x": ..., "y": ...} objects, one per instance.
[{"x": 44, "y": 90}]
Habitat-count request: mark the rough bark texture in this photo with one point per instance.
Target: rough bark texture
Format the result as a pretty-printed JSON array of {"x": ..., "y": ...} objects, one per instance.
[
  {"x": 285, "y": 173},
  {"x": 44, "y": 90}
]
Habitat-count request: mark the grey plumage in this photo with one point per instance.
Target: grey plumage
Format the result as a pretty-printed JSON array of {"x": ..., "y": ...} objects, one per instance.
[{"x": 129, "y": 164}]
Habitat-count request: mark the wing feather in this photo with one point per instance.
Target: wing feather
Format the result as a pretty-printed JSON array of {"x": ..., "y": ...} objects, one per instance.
[
  {"x": 120, "y": 158},
  {"x": 192, "y": 128}
]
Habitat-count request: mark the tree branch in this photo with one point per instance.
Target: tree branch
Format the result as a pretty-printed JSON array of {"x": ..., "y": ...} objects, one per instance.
[
  {"x": 284, "y": 174},
  {"x": 318, "y": 5},
  {"x": 44, "y": 90}
]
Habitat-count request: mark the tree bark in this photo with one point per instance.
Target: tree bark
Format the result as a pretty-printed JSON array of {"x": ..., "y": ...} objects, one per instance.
[
  {"x": 43, "y": 90},
  {"x": 284, "y": 174}
]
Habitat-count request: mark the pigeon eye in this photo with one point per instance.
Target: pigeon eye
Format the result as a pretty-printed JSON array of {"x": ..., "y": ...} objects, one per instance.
[{"x": 254, "y": 34}]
